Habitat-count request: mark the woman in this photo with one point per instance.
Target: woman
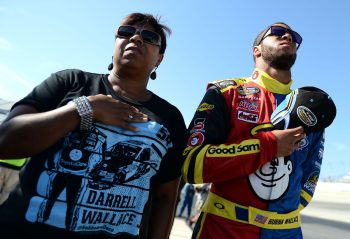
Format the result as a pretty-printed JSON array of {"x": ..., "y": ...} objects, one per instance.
[{"x": 105, "y": 151}]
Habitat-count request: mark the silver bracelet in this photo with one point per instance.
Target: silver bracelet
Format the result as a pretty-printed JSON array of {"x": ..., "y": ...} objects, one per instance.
[{"x": 85, "y": 112}]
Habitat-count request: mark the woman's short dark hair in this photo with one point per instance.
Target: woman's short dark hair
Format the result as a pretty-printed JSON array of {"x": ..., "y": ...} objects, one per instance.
[{"x": 149, "y": 20}]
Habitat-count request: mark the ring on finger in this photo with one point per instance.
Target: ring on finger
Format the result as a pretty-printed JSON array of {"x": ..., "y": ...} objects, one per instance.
[{"x": 130, "y": 116}]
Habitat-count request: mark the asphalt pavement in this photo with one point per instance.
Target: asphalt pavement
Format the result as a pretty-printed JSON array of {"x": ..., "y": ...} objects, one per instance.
[
  {"x": 318, "y": 228},
  {"x": 181, "y": 230}
]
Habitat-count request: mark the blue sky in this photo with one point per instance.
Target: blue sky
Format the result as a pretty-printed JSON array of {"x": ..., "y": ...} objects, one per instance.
[{"x": 211, "y": 40}]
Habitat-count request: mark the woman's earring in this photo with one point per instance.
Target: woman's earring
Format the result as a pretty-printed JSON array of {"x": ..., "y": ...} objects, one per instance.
[
  {"x": 153, "y": 75},
  {"x": 110, "y": 66}
]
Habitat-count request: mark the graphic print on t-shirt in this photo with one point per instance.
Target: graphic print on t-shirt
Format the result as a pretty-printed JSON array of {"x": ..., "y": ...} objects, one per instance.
[{"x": 100, "y": 179}]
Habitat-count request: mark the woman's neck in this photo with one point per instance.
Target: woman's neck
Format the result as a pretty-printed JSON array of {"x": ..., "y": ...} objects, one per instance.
[{"x": 129, "y": 88}]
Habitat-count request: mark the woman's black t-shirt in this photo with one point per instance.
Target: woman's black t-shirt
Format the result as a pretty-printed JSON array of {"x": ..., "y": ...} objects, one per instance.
[{"x": 95, "y": 183}]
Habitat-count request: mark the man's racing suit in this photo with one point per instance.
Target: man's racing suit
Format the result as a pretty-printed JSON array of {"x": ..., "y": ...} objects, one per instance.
[{"x": 253, "y": 194}]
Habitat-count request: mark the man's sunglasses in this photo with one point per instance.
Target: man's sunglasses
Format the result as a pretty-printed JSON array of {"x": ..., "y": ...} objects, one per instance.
[
  {"x": 127, "y": 31},
  {"x": 281, "y": 31}
]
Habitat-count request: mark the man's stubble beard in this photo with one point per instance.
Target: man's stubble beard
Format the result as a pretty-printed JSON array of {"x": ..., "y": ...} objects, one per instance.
[{"x": 283, "y": 61}]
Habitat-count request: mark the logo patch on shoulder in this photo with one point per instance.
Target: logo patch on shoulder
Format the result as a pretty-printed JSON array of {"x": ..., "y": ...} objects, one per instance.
[
  {"x": 196, "y": 138},
  {"x": 248, "y": 90},
  {"x": 226, "y": 83},
  {"x": 205, "y": 106}
]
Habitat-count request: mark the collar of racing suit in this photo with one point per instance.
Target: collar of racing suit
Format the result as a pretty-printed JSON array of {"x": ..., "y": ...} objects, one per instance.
[{"x": 269, "y": 83}]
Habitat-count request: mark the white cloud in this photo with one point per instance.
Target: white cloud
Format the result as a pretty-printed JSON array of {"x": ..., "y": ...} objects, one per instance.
[
  {"x": 5, "y": 45},
  {"x": 12, "y": 85}
]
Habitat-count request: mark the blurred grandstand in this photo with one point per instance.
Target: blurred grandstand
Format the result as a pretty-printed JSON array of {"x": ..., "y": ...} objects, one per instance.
[{"x": 5, "y": 107}]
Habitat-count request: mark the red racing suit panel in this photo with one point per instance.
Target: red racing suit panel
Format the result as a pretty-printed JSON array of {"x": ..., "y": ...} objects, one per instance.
[{"x": 228, "y": 113}]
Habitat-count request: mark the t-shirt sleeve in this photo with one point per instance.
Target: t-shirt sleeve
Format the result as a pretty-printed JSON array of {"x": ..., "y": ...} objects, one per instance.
[
  {"x": 170, "y": 167},
  {"x": 49, "y": 94}
]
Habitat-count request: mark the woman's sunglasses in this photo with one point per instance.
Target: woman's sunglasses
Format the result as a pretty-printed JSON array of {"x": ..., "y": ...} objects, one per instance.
[
  {"x": 127, "y": 31},
  {"x": 281, "y": 31}
]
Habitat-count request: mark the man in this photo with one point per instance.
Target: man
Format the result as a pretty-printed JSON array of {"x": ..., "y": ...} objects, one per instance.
[
  {"x": 260, "y": 178},
  {"x": 105, "y": 151},
  {"x": 187, "y": 201}
]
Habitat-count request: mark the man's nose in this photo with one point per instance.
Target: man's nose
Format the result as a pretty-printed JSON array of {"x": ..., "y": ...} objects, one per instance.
[{"x": 287, "y": 36}]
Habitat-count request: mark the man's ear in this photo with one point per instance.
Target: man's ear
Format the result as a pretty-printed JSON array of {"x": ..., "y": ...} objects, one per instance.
[{"x": 257, "y": 51}]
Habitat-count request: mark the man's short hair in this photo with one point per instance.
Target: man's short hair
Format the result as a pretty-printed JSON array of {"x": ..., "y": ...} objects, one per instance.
[
  {"x": 258, "y": 39},
  {"x": 149, "y": 20}
]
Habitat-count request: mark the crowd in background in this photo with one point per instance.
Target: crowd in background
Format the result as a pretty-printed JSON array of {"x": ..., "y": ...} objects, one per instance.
[{"x": 192, "y": 198}]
